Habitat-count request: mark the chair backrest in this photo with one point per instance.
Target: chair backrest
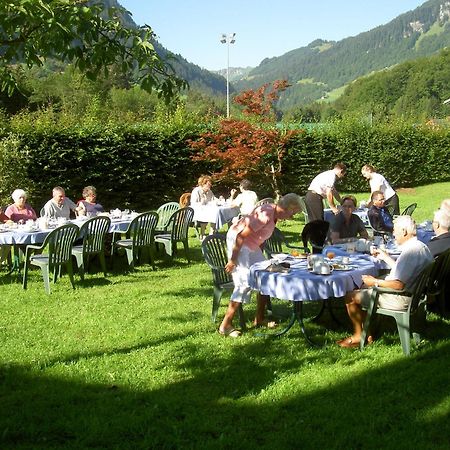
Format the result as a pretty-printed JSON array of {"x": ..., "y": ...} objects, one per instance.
[
  {"x": 214, "y": 249},
  {"x": 421, "y": 288},
  {"x": 275, "y": 243},
  {"x": 265, "y": 201},
  {"x": 440, "y": 274},
  {"x": 93, "y": 232},
  {"x": 391, "y": 209},
  {"x": 409, "y": 209},
  {"x": 315, "y": 233},
  {"x": 185, "y": 199},
  {"x": 304, "y": 209},
  {"x": 59, "y": 243},
  {"x": 164, "y": 212},
  {"x": 142, "y": 229},
  {"x": 179, "y": 223}
]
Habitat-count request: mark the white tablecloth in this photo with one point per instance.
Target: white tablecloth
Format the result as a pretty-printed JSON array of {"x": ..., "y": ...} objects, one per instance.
[
  {"x": 302, "y": 285},
  {"x": 219, "y": 215},
  {"x": 19, "y": 236}
]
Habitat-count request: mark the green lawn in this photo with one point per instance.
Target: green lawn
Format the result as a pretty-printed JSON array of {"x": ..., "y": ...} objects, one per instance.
[{"x": 134, "y": 361}]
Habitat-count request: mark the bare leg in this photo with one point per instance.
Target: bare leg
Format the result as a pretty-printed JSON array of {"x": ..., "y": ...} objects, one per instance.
[
  {"x": 227, "y": 321},
  {"x": 212, "y": 228},
  {"x": 356, "y": 314},
  {"x": 202, "y": 229}
]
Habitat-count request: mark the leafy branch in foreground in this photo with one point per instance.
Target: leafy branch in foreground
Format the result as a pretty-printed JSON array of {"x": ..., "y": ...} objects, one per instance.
[{"x": 85, "y": 35}]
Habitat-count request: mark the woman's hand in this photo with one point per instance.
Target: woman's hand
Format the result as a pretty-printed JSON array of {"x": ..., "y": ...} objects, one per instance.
[{"x": 231, "y": 265}]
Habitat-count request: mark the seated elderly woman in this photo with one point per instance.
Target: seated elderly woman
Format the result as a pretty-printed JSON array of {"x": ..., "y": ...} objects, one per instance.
[
  {"x": 20, "y": 210},
  {"x": 88, "y": 206},
  {"x": 346, "y": 226},
  {"x": 202, "y": 197}
]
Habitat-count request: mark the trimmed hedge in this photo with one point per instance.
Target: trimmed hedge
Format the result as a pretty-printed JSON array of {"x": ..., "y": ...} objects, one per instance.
[{"x": 142, "y": 167}]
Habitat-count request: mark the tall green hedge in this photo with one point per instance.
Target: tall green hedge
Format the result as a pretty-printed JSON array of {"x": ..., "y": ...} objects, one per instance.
[{"x": 141, "y": 167}]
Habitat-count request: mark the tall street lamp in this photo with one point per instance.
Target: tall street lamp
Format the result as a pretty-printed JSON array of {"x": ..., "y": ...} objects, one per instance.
[{"x": 228, "y": 39}]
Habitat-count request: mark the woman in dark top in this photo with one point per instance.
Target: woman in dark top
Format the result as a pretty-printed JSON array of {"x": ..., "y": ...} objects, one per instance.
[
  {"x": 89, "y": 207},
  {"x": 346, "y": 226}
]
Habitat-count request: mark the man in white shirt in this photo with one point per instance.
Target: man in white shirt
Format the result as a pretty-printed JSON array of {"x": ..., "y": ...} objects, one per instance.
[
  {"x": 59, "y": 205},
  {"x": 322, "y": 186},
  {"x": 379, "y": 183},
  {"x": 414, "y": 258}
]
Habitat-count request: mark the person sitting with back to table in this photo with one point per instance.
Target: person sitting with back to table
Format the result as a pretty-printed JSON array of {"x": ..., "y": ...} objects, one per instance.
[
  {"x": 379, "y": 183},
  {"x": 246, "y": 200},
  {"x": 88, "y": 206},
  {"x": 414, "y": 257},
  {"x": 244, "y": 241},
  {"x": 323, "y": 186},
  {"x": 20, "y": 210},
  {"x": 378, "y": 214},
  {"x": 441, "y": 241},
  {"x": 346, "y": 226},
  {"x": 59, "y": 206}
]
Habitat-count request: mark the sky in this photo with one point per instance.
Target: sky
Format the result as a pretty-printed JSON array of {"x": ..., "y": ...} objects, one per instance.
[{"x": 264, "y": 29}]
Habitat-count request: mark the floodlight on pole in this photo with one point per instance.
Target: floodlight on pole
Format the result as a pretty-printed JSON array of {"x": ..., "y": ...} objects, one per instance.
[{"x": 228, "y": 39}]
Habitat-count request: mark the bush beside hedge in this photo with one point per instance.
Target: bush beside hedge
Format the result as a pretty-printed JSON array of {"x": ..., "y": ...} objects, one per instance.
[{"x": 142, "y": 167}]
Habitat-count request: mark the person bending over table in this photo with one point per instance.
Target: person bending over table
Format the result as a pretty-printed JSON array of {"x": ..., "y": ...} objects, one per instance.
[
  {"x": 346, "y": 226},
  {"x": 203, "y": 196},
  {"x": 20, "y": 210},
  {"x": 322, "y": 186},
  {"x": 378, "y": 214},
  {"x": 414, "y": 257},
  {"x": 246, "y": 200},
  {"x": 59, "y": 205},
  {"x": 89, "y": 206},
  {"x": 244, "y": 241},
  {"x": 379, "y": 183},
  {"x": 441, "y": 241}
]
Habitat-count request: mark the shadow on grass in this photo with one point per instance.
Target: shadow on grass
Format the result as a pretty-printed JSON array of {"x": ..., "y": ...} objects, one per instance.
[{"x": 403, "y": 404}]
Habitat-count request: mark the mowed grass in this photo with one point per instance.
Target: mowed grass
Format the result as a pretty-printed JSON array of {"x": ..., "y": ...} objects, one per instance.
[{"x": 134, "y": 361}]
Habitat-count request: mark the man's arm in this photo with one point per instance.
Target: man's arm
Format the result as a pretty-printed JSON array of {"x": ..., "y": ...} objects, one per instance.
[
  {"x": 331, "y": 195},
  {"x": 371, "y": 281}
]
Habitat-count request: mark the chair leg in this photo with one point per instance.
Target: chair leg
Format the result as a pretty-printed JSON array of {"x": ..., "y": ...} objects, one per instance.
[
  {"x": 101, "y": 257},
  {"x": 46, "y": 277},
  {"x": 370, "y": 311},
  {"x": 216, "y": 302},
  {"x": 69, "y": 269},
  {"x": 186, "y": 250},
  {"x": 25, "y": 274},
  {"x": 80, "y": 265},
  {"x": 242, "y": 323},
  {"x": 403, "y": 331}
]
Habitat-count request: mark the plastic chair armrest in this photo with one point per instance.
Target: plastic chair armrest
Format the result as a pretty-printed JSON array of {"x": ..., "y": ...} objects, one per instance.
[{"x": 385, "y": 290}]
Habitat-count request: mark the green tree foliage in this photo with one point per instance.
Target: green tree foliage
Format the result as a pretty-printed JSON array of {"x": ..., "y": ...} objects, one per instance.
[
  {"x": 75, "y": 31},
  {"x": 415, "y": 90}
]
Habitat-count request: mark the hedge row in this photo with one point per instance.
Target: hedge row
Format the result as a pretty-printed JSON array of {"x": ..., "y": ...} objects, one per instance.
[{"x": 142, "y": 167}]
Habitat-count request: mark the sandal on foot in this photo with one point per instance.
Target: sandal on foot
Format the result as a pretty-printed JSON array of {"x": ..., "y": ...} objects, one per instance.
[
  {"x": 348, "y": 343},
  {"x": 231, "y": 332}
]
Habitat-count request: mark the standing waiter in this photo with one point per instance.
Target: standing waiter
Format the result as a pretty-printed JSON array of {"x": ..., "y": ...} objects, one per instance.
[{"x": 322, "y": 186}]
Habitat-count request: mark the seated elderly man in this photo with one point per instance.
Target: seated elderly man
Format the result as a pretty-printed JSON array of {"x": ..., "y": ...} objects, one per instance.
[
  {"x": 244, "y": 241},
  {"x": 441, "y": 241},
  {"x": 414, "y": 257},
  {"x": 346, "y": 225},
  {"x": 59, "y": 205},
  {"x": 378, "y": 214}
]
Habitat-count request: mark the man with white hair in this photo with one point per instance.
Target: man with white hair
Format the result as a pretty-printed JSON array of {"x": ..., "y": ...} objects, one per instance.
[
  {"x": 414, "y": 258},
  {"x": 59, "y": 205},
  {"x": 441, "y": 224}
]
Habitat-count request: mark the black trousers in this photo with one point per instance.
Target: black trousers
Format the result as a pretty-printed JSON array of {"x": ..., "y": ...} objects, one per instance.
[
  {"x": 394, "y": 201},
  {"x": 314, "y": 206}
]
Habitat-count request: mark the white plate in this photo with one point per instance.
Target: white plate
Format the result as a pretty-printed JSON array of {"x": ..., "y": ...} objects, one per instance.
[{"x": 280, "y": 256}]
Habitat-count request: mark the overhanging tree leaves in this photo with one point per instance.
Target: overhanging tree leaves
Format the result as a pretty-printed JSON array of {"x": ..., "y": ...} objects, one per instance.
[{"x": 81, "y": 33}]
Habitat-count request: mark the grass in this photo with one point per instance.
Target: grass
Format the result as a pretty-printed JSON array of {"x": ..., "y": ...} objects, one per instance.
[{"x": 134, "y": 361}]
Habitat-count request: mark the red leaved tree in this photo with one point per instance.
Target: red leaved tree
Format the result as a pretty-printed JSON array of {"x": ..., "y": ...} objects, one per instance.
[{"x": 246, "y": 148}]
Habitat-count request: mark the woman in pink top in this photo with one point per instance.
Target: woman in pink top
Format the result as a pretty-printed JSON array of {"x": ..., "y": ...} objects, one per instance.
[
  {"x": 20, "y": 211},
  {"x": 244, "y": 241}
]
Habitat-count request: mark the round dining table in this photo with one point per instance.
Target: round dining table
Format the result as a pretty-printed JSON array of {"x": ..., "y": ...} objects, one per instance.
[{"x": 298, "y": 284}]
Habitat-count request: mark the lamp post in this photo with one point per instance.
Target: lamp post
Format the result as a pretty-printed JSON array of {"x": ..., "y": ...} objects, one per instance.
[{"x": 228, "y": 39}]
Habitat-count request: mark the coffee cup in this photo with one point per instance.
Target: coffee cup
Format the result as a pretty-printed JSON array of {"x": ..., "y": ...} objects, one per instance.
[{"x": 345, "y": 260}]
